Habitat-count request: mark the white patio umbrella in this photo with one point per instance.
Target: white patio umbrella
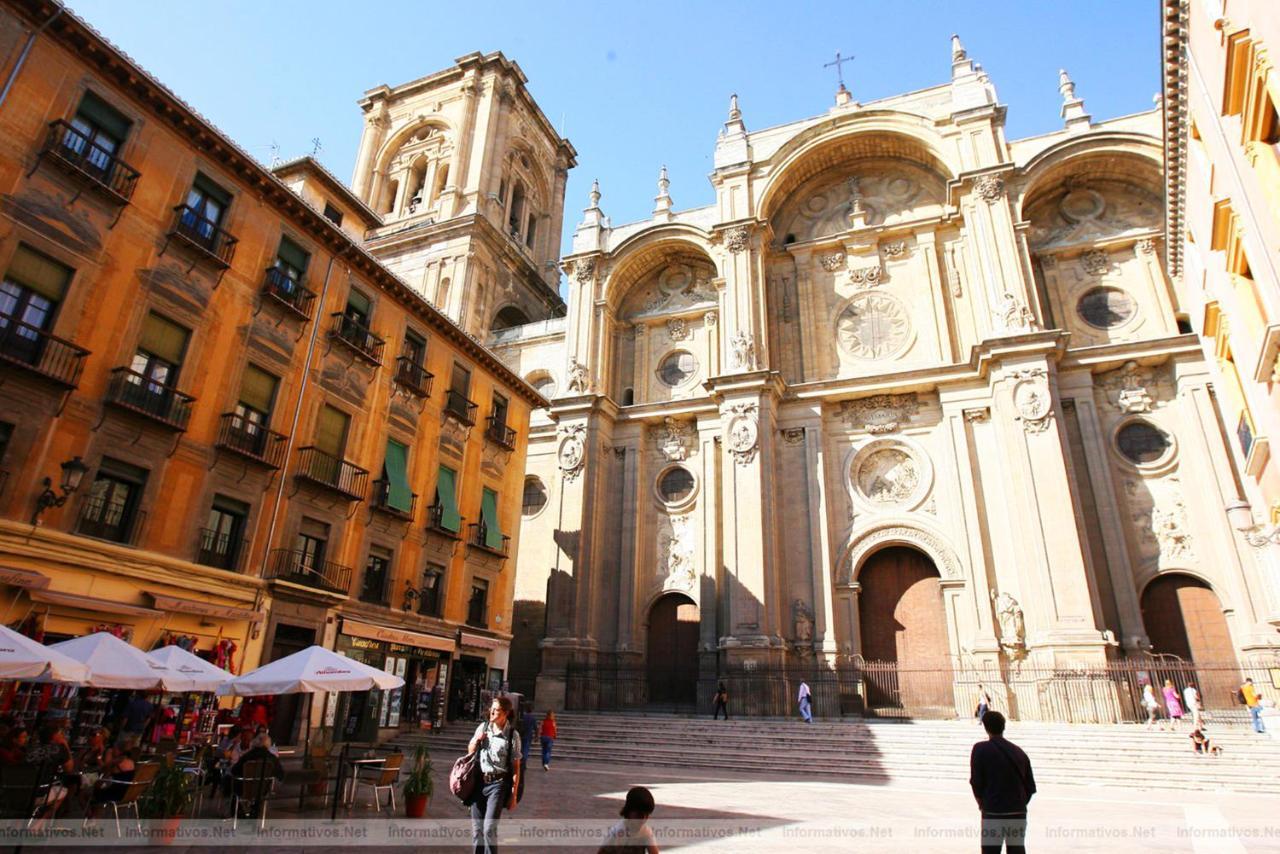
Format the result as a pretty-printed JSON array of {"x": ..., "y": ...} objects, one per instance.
[
  {"x": 113, "y": 663},
  {"x": 23, "y": 658},
  {"x": 311, "y": 671},
  {"x": 187, "y": 671}
]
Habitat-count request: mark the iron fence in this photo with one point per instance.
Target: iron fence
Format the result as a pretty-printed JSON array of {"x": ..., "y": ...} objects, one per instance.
[{"x": 1109, "y": 693}]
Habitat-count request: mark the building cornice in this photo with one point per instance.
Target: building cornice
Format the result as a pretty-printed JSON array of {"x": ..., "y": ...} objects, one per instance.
[
  {"x": 94, "y": 50},
  {"x": 308, "y": 165},
  {"x": 1174, "y": 36}
]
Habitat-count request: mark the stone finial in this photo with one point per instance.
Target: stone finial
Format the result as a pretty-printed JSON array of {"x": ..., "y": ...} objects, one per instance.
[
  {"x": 735, "y": 114},
  {"x": 1073, "y": 114},
  {"x": 662, "y": 202},
  {"x": 843, "y": 96},
  {"x": 734, "y": 126},
  {"x": 958, "y": 53},
  {"x": 595, "y": 193}
]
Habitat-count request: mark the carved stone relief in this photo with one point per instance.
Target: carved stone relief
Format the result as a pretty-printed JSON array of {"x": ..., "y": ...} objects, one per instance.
[
  {"x": 676, "y": 553},
  {"x": 990, "y": 188},
  {"x": 1012, "y": 623},
  {"x": 802, "y": 627},
  {"x": 1128, "y": 388},
  {"x": 1100, "y": 210},
  {"x": 793, "y": 435},
  {"x": 881, "y": 413},
  {"x": 736, "y": 239},
  {"x": 866, "y": 277},
  {"x": 677, "y": 329},
  {"x": 743, "y": 431},
  {"x": 674, "y": 439},
  {"x": 887, "y": 476},
  {"x": 876, "y": 192},
  {"x": 572, "y": 450},
  {"x": 865, "y": 544},
  {"x": 1095, "y": 262},
  {"x": 895, "y": 249},
  {"x": 833, "y": 262},
  {"x": 873, "y": 326},
  {"x": 743, "y": 351},
  {"x": 677, "y": 288},
  {"x": 1032, "y": 399},
  {"x": 1169, "y": 525},
  {"x": 1015, "y": 316}
]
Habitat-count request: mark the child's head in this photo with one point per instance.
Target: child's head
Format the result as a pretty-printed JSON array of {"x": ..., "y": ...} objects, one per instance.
[{"x": 639, "y": 803}]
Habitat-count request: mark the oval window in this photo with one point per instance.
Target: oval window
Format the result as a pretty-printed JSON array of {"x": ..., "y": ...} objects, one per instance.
[
  {"x": 1142, "y": 443},
  {"x": 675, "y": 485},
  {"x": 676, "y": 368},
  {"x": 535, "y": 496},
  {"x": 1106, "y": 308}
]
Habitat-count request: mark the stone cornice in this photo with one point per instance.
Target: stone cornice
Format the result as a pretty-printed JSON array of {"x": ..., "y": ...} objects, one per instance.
[
  {"x": 114, "y": 65},
  {"x": 1174, "y": 42}
]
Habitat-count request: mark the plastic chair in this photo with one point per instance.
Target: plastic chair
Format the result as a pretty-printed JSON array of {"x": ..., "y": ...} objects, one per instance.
[
  {"x": 143, "y": 776},
  {"x": 24, "y": 790},
  {"x": 382, "y": 778},
  {"x": 254, "y": 786}
]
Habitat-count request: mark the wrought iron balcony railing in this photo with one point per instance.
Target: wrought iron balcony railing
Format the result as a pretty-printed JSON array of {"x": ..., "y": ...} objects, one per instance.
[
  {"x": 343, "y": 477},
  {"x": 35, "y": 350},
  {"x": 221, "y": 550},
  {"x": 435, "y": 521},
  {"x": 105, "y": 519},
  {"x": 413, "y": 376},
  {"x": 297, "y": 567},
  {"x": 357, "y": 336},
  {"x": 288, "y": 292},
  {"x": 381, "y": 500},
  {"x": 499, "y": 433},
  {"x": 480, "y": 539},
  {"x": 138, "y": 393},
  {"x": 249, "y": 439},
  {"x": 457, "y": 405},
  {"x": 84, "y": 159},
  {"x": 203, "y": 235}
]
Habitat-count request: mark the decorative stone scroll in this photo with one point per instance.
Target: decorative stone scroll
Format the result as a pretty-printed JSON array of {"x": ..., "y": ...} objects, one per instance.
[
  {"x": 743, "y": 432},
  {"x": 881, "y": 413},
  {"x": 895, "y": 249},
  {"x": 866, "y": 277}
]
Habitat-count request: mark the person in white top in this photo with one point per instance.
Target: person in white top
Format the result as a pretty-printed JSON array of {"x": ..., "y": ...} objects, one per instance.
[
  {"x": 805, "y": 703},
  {"x": 1191, "y": 699}
]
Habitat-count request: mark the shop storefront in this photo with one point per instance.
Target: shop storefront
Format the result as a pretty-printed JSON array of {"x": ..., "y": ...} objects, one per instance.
[{"x": 422, "y": 660}]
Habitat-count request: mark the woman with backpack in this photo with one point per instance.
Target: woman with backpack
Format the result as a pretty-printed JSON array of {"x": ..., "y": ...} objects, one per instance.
[{"x": 498, "y": 744}]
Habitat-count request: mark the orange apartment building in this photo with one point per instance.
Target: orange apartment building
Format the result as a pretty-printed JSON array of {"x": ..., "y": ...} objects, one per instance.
[{"x": 221, "y": 418}]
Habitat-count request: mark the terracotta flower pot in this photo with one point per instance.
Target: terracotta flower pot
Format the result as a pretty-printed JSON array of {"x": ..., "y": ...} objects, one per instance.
[
  {"x": 415, "y": 806},
  {"x": 165, "y": 830}
]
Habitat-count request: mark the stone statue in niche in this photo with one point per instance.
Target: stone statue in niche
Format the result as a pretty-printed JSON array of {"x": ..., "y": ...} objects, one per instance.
[
  {"x": 676, "y": 549},
  {"x": 1013, "y": 630},
  {"x": 1015, "y": 316},
  {"x": 579, "y": 380},
  {"x": 1169, "y": 524},
  {"x": 743, "y": 348}
]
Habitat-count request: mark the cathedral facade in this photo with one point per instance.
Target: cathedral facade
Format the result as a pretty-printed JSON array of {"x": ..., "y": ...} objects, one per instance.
[{"x": 908, "y": 392}]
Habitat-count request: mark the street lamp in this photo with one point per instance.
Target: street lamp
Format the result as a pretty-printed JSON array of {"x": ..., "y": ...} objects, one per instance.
[
  {"x": 1240, "y": 515},
  {"x": 73, "y": 471},
  {"x": 411, "y": 595}
]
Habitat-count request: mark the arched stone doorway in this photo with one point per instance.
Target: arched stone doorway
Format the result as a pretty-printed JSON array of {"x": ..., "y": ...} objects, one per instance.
[
  {"x": 1183, "y": 617},
  {"x": 672, "y": 657},
  {"x": 903, "y": 631}
]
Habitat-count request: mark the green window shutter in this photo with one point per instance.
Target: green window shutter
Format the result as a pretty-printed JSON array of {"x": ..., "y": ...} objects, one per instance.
[
  {"x": 489, "y": 513},
  {"x": 103, "y": 116},
  {"x": 211, "y": 190},
  {"x": 163, "y": 339},
  {"x": 258, "y": 389},
  {"x": 39, "y": 273},
  {"x": 331, "y": 431},
  {"x": 447, "y": 498},
  {"x": 395, "y": 469},
  {"x": 293, "y": 255},
  {"x": 359, "y": 302}
]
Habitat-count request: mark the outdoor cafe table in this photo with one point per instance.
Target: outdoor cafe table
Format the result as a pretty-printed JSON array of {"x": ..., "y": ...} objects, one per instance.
[{"x": 356, "y": 765}]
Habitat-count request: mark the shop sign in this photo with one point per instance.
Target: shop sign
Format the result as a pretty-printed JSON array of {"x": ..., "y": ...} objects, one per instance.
[
  {"x": 480, "y": 641},
  {"x": 412, "y": 640},
  {"x": 23, "y": 578}
]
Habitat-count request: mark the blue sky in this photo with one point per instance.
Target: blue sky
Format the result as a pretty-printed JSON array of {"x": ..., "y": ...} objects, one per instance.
[{"x": 635, "y": 85}]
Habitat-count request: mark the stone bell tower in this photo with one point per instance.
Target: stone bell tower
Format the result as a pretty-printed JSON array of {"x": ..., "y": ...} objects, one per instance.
[{"x": 469, "y": 177}]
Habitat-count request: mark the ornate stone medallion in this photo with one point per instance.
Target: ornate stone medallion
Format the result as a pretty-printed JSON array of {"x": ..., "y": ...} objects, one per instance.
[
  {"x": 873, "y": 326},
  {"x": 888, "y": 474}
]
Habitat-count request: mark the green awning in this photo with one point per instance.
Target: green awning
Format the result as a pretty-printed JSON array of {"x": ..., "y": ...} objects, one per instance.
[
  {"x": 446, "y": 497},
  {"x": 395, "y": 469},
  {"x": 489, "y": 514}
]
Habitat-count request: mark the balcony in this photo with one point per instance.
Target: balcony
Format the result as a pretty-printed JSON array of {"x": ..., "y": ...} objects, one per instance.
[
  {"x": 222, "y": 551},
  {"x": 413, "y": 377},
  {"x": 457, "y": 405},
  {"x": 35, "y": 350},
  {"x": 380, "y": 495},
  {"x": 499, "y": 433},
  {"x": 435, "y": 519},
  {"x": 478, "y": 538},
  {"x": 290, "y": 294},
  {"x": 344, "y": 478},
  {"x": 161, "y": 403},
  {"x": 91, "y": 164},
  {"x": 210, "y": 242},
  {"x": 243, "y": 437},
  {"x": 115, "y": 521},
  {"x": 298, "y": 568},
  {"x": 357, "y": 336}
]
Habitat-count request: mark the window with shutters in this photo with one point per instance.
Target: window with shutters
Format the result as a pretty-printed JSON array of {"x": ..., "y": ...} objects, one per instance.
[
  {"x": 111, "y": 509},
  {"x": 377, "y": 571},
  {"x": 99, "y": 130},
  {"x": 444, "y": 512},
  {"x": 202, "y": 217},
  {"x": 252, "y": 417},
  {"x": 222, "y": 540},
  {"x": 157, "y": 360},
  {"x": 392, "y": 492},
  {"x": 478, "y": 606},
  {"x": 311, "y": 543},
  {"x": 456, "y": 401},
  {"x": 331, "y": 431},
  {"x": 30, "y": 293},
  {"x": 291, "y": 261},
  {"x": 359, "y": 307}
]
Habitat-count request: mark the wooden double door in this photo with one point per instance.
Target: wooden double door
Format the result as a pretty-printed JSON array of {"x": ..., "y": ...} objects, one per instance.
[{"x": 672, "y": 653}]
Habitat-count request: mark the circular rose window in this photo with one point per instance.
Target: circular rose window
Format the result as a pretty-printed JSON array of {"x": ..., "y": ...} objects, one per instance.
[
  {"x": 535, "y": 497},
  {"x": 676, "y": 368},
  {"x": 675, "y": 485},
  {"x": 1142, "y": 443},
  {"x": 1106, "y": 308}
]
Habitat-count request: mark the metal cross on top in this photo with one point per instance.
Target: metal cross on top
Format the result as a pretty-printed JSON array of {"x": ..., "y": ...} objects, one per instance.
[{"x": 839, "y": 61}]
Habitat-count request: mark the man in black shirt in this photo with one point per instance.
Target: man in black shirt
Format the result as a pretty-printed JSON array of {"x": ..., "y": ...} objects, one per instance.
[{"x": 1000, "y": 776}]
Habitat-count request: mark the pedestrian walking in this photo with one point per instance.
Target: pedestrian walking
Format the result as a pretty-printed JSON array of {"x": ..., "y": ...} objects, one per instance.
[
  {"x": 548, "y": 735},
  {"x": 1151, "y": 704},
  {"x": 1191, "y": 699},
  {"x": 806, "y": 702},
  {"x": 632, "y": 835},
  {"x": 984, "y": 703},
  {"x": 527, "y": 728},
  {"x": 499, "y": 746},
  {"x": 722, "y": 703},
  {"x": 1172, "y": 705},
  {"x": 1253, "y": 700},
  {"x": 1002, "y": 782}
]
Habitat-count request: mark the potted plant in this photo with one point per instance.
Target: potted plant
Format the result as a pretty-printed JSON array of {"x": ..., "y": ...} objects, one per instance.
[
  {"x": 167, "y": 799},
  {"x": 417, "y": 786}
]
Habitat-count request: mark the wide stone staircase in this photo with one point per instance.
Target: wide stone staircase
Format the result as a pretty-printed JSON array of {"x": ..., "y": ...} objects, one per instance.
[{"x": 1122, "y": 755}]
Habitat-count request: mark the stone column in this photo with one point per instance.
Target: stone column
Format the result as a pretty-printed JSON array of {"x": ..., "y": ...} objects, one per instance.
[
  {"x": 371, "y": 140},
  {"x": 822, "y": 551}
]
